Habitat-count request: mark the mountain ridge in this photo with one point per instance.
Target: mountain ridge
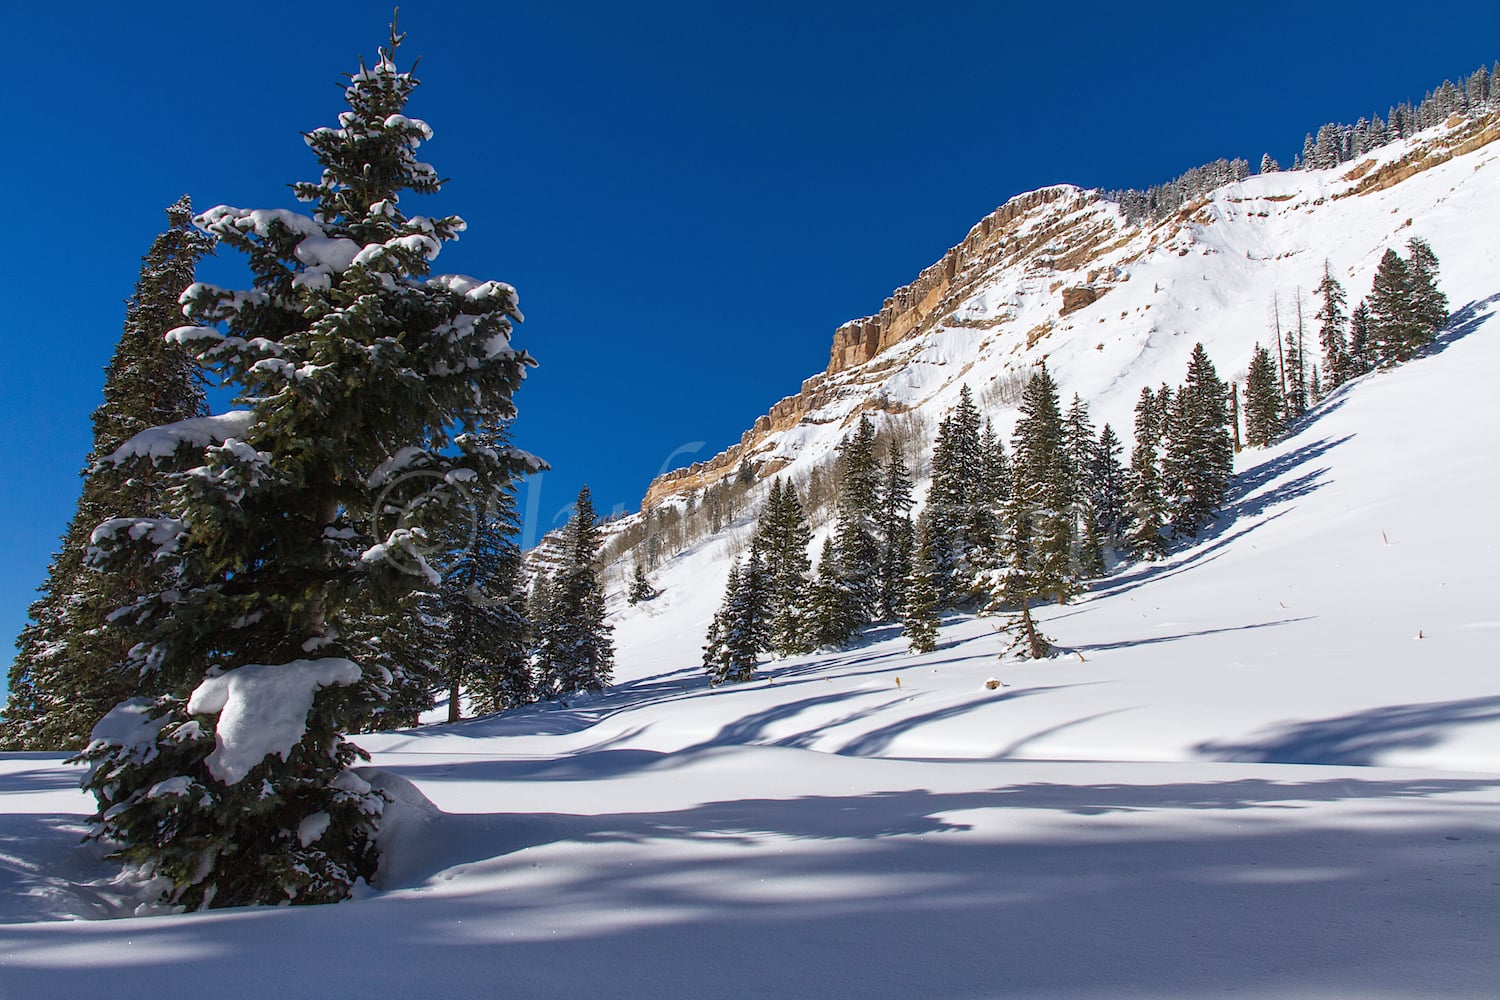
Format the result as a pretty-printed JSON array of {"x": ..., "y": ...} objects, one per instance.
[{"x": 1063, "y": 248}]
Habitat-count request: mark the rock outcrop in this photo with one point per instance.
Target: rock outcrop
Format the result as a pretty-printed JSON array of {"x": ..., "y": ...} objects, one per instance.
[{"x": 1058, "y": 228}]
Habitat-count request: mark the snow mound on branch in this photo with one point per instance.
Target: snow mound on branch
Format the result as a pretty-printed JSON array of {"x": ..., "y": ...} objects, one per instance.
[
  {"x": 324, "y": 256},
  {"x": 130, "y": 725},
  {"x": 157, "y": 443},
  {"x": 263, "y": 709},
  {"x": 222, "y": 219}
]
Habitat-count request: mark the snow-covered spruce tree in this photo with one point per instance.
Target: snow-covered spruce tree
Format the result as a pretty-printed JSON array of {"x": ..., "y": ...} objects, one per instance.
[
  {"x": 920, "y": 615},
  {"x": 356, "y": 371},
  {"x": 835, "y": 606},
  {"x": 1361, "y": 349},
  {"x": 1200, "y": 454},
  {"x": 715, "y": 657},
  {"x": 1078, "y": 446},
  {"x": 1109, "y": 480},
  {"x": 744, "y": 624},
  {"x": 960, "y": 518},
  {"x": 576, "y": 652},
  {"x": 897, "y": 536},
  {"x": 1331, "y": 323},
  {"x": 1042, "y": 491},
  {"x": 1020, "y": 579},
  {"x": 1262, "y": 400},
  {"x": 783, "y": 537},
  {"x": 640, "y": 587},
  {"x": 1147, "y": 506},
  {"x": 857, "y": 536},
  {"x": 1393, "y": 329},
  {"x": 65, "y": 676},
  {"x": 1429, "y": 306}
]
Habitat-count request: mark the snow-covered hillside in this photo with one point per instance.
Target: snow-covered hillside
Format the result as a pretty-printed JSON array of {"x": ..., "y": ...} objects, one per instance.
[
  {"x": 1214, "y": 273},
  {"x": 1267, "y": 765}
]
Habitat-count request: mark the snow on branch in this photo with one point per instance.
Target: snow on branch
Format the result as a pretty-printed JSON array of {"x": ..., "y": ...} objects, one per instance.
[
  {"x": 157, "y": 443},
  {"x": 263, "y": 709}
]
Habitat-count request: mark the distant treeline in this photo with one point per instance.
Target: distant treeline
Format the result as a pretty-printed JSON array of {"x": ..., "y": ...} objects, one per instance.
[{"x": 1330, "y": 146}]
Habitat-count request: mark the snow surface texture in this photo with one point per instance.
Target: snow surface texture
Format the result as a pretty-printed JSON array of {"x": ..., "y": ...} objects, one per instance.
[{"x": 1268, "y": 765}]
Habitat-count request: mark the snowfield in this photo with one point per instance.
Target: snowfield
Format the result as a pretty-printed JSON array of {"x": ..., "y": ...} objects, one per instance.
[{"x": 1268, "y": 765}]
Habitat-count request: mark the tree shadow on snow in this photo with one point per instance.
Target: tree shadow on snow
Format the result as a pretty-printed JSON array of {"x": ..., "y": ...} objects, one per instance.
[
  {"x": 1359, "y": 738},
  {"x": 1168, "y": 888}
]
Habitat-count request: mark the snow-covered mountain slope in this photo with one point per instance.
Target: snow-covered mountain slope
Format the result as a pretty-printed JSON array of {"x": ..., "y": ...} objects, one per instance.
[
  {"x": 1057, "y": 274},
  {"x": 1268, "y": 765}
]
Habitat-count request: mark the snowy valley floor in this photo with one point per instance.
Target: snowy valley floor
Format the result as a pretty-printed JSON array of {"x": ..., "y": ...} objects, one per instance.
[{"x": 1248, "y": 774}]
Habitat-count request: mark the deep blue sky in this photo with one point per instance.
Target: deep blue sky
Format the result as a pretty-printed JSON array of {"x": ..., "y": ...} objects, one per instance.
[{"x": 689, "y": 197}]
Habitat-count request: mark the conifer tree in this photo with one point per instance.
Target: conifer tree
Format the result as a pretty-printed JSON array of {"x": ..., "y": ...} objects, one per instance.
[
  {"x": 958, "y": 512},
  {"x": 782, "y": 536},
  {"x": 1296, "y": 367},
  {"x": 920, "y": 614},
  {"x": 1361, "y": 349},
  {"x": 1147, "y": 504},
  {"x": 1020, "y": 584},
  {"x": 1042, "y": 491},
  {"x": 577, "y": 653},
  {"x": 640, "y": 587},
  {"x": 480, "y": 603},
  {"x": 897, "y": 536},
  {"x": 1078, "y": 446},
  {"x": 356, "y": 369},
  {"x": 857, "y": 537},
  {"x": 835, "y": 608},
  {"x": 1091, "y": 564},
  {"x": 1394, "y": 330},
  {"x": 1429, "y": 306},
  {"x": 1331, "y": 322},
  {"x": 1262, "y": 400},
  {"x": 1200, "y": 454},
  {"x": 1110, "y": 483},
  {"x": 996, "y": 479},
  {"x": 715, "y": 656},
  {"x": 65, "y": 676},
  {"x": 747, "y": 628}
]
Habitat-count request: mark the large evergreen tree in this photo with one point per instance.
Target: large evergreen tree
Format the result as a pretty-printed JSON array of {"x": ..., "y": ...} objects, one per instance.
[
  {"x": 357, "y": 370},
  {"x": 897, "y": 536},
  {"x": 743, "y": 625},
  {"x": 1042, "y": 492},
  {"x": 576, "y": 652},
  {"x": 857, "y": 536},
  {"x": 1262, "y": 400},
  {"x": 835, "y": 606},
  {"x": 1110, "y": 483},
  {"x": 1428, "y": 305},
  {"x": 1395, "y": 330},
  {"x": 66, "y": 673},
  {"x": 1147, "y": 505},
  {"x": 1200, "y": 453},
  {"x": 959, "y": 514},
  {"x": 920, "y": 619},
  {"x": 782, "y": 536}
]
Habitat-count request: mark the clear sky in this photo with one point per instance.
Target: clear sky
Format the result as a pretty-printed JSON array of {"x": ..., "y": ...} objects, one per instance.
[{"x": 689, "y": 197}]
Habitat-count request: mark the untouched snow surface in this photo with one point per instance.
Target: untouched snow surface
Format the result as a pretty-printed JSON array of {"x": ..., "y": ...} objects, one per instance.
[{"x": 1268, "y": 765}]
